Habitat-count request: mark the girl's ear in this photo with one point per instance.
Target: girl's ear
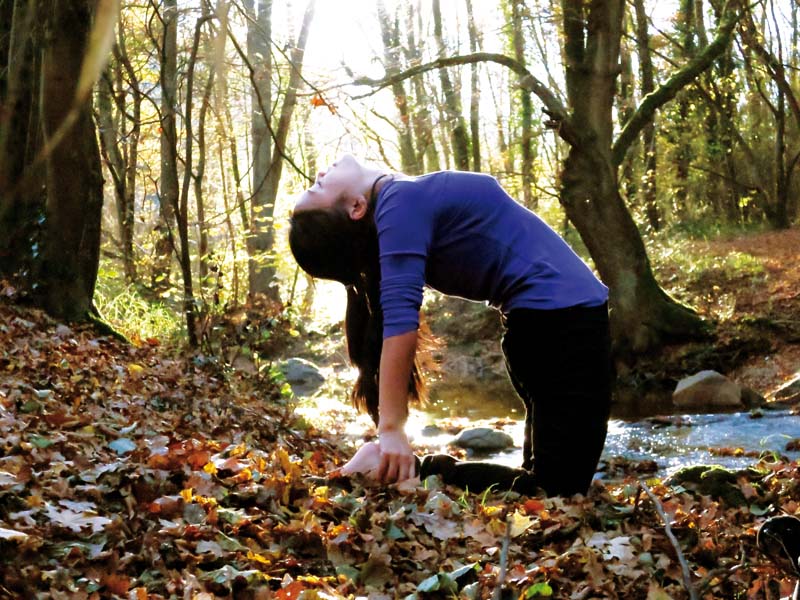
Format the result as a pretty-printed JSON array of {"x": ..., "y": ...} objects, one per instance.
[{"x": 358, "y": 207}]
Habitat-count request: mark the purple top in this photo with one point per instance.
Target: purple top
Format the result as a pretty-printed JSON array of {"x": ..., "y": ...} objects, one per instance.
[{"x": 462, "y": 234}]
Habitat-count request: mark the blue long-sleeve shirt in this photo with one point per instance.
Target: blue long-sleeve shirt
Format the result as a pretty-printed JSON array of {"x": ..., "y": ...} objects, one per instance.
[{"x": 462, "y": 234}]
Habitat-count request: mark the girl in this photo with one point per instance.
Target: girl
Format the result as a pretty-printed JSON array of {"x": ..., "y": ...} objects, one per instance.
[{"x": 385, "y": 236}]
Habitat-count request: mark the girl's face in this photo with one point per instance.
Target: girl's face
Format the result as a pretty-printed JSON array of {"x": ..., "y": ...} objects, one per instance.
[{"x": 343, "y": 179}]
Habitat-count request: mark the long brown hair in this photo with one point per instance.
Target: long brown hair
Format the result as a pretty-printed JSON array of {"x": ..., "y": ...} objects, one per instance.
[{"x": 328, "y": 244}]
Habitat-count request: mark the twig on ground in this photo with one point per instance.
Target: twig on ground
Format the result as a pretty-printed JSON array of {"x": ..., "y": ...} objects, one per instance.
[
  {"x": 713, "y": 574},
  {"x": 687, "y": 574},
  {"x": 501, "y": 578}
]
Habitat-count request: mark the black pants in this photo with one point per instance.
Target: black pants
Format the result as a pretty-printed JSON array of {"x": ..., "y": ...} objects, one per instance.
[{"x": 559, "y": 362}]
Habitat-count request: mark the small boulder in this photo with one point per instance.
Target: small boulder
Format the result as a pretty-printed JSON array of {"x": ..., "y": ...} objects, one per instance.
[
  {"x": 431, "y": 431},
  {"x": 707, "y": 390},
  {"x": 752, "y": 399},
  {"x": 484, "y": 439},
  {"x": 713, "y": 480},
  {"x": 303, "y": 375}
]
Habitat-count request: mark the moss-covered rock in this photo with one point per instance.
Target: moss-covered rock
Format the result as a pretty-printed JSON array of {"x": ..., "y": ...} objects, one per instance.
[{"x": 715, "y": 481}]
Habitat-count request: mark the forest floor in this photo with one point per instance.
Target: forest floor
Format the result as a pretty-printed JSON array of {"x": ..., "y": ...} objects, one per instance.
[
  {"x": 133, "y": 471},
  {"x": 754, "y": 281}
]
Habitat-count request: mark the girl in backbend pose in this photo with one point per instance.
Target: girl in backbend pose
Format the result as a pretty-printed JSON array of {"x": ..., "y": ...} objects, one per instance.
[{"x": 387, "y": 235}]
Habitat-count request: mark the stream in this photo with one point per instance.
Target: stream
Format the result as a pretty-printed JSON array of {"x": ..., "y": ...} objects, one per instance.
[{"x": 672, "y": 442}]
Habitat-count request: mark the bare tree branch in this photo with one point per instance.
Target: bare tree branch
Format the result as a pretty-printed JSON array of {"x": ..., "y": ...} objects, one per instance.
[
  {"x": 685, "y": 570},
  {"x": 774, "y": 66},
  {"x": 670, "y": 88},
  {"x": 251, "y": 71},
  {"x": 553, "y": 107}
]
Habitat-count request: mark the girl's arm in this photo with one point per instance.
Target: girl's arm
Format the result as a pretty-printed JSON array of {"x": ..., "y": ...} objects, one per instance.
[{"x": 397, "y": 360}]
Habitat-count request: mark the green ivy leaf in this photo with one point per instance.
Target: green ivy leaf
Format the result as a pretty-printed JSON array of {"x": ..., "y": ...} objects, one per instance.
[{"x": 538, "y": 589}]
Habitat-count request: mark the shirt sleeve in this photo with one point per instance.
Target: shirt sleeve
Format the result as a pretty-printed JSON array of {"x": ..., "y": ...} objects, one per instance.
[{"x": 405, "y": 223}]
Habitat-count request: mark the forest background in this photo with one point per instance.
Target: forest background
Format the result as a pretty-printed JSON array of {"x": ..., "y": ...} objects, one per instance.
[
  {"x": 150, "y": 152},
  {"x": 616, "y": 121}
]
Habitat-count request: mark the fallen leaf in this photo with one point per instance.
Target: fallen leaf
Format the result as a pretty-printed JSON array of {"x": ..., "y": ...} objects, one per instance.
[
  {"x": 11, "y": 534},
  {"x": 122, "y": 446},
  {"x": 76, "y": 521}
]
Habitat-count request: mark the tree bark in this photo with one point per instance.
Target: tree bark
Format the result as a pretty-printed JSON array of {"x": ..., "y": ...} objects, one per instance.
[
  {"x": 71, "y": 248},
  {"x": 390, "y": 35},
  {"x": 120, "y": 158},
  {"x": 21, "y": 206},
  {"x": 452, "y": 105},
  {"x": 182, "y": 207},
  {"x": 649, "y": 149},
  {"x": 526, "y": 107},
  {"x": 475, "y": 92},
  {"x": 203, "y": 249},
  {"x": 427, "y": 156},
  {"x": 169, "y": 186},
  {"x": 6, "y": 24},
  {"x": 225, "y": 125},
  {"x": 625, "y": 106},
  {"x": 259, "y": 55},
  {"x": 683, "y": 127},
  {"x": 778, "y": 196},
  {"x": 271, "y": 183}
]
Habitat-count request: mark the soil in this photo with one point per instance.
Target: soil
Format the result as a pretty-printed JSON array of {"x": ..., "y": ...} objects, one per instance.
[{"x": 773, "y": 305}]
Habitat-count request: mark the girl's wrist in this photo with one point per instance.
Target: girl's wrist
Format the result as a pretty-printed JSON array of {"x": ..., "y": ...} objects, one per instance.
[{"x": 390, "y": 427}]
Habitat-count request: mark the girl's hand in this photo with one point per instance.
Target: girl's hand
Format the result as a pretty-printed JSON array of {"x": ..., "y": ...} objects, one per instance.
[
  {"x": 366, "y": 460},
  {"x": 397, "y": 458}
]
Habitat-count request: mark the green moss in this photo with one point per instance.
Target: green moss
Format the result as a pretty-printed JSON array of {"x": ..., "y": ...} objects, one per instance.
[{"x": 715, "y": 481}]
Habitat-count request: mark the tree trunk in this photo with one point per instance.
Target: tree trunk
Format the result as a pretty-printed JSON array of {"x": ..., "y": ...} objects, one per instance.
[
  {"x": 117, "y": 163},
  {"x": 427, "y": 156},
  {"x": 795, "y": 61},
  {"x": 234, "y": 295},
  {"x": 131, "y": 155},
  {"x": 526, "y": 107},
  {"x": 225, "y": 123},
  {"x": 169, "y": 190},
  {"x": 501, "y": 123},
  {"x": 259, "y": 54},
  {"x": 718, "y": 150},
  {"x": 71, "y": 248},
  {"x": 723, "y": 103},
  {"x": 779, "y": 215},
  {"x": 625, "y": 106},
  {"x": 649, "y": 149},
  {"x": 202, "y": 226},
  {"x": 452, "y": 104},
  {"x": 684, "y": 133},
  {"x": 21, "y": 206},
  {"x": 777, "y": 208},
  {"x": 311, "y": 167},
  {"x": 225, "y": 138},
  {"x": 390, "y": 34},
  {"x": 266, "y": 277},
  {"x": 643, "y": 316},
  {"x": 182, "y": 208},
  {"x": 475, "y": 92}
]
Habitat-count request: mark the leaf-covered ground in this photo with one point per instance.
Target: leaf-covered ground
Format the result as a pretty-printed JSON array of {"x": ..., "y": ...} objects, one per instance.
[{"x": 129, "y": 473}]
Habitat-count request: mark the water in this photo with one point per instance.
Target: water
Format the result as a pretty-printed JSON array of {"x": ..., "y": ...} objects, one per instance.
[
  {"x": 671, "y": 442},
  {"x": 687, "y": 442}
]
